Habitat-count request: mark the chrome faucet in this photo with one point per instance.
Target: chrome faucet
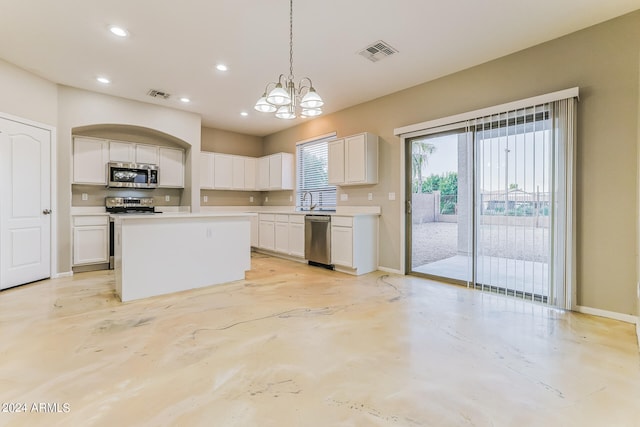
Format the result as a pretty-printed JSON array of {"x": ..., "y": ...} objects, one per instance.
[{"x": 304, "y": 197}]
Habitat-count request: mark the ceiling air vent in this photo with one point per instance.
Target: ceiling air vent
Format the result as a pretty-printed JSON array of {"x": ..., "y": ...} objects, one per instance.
[
  {"x": 377, "y": 51},
  {"x": 158, "y": 94}
]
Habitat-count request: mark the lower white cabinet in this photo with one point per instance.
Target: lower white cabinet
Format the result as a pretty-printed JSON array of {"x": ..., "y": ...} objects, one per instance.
[
  {"x": 266, "y": 232},
  {"x": 354, "y": 243},
  {"x": 254, "y": 231},
  {"x": 90, "y": 239},
  {"x": 282, "y": 234},
  {"x": 296, "y": 235}
]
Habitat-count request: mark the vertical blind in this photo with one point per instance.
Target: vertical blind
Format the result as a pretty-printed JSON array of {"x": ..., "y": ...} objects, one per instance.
[{"x": 312, "y": 174}]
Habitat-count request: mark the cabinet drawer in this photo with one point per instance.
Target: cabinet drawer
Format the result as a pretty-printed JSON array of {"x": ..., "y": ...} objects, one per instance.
[
  {"x": 267, "y": 217},
  {"x": 282, "y": 218},
  {"x": 342, "y": 221},
  {"x": 296, "y": 219},
  {"x": 84, "y": 220}
]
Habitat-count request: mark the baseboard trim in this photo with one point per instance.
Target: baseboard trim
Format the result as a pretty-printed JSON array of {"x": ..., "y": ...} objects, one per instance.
[
  {"x": 389, "y": 270},
  {"x": 61, "y": 275},
  {"x": 608, "y": 314}
]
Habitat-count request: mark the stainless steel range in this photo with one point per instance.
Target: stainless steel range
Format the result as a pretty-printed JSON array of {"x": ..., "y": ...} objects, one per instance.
[
  {"x": 126, "y": 206},
  {"x": 129, "y": 205}
]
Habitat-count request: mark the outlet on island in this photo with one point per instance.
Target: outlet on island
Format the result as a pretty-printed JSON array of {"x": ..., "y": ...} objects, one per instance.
[{"x": 167, "y": 198}]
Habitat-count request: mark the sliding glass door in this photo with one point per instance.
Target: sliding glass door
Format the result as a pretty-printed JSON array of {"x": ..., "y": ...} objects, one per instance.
[
  {"x": 488, "y": 203},
  {"x": 439, "y": 219}
]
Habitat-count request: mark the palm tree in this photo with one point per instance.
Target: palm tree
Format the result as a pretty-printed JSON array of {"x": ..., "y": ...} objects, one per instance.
[{"x": 420, "y": 152}]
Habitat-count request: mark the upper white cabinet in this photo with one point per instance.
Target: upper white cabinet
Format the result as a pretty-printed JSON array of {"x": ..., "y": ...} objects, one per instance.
[
  {"x": 147, "y": 154},
  {"x": 281, "y": 171},
  {"x": 90, "y": 157},
  {"x": 222, "y": 171},
  {"x": 230, "y": 172},
  {"x": 237, "y": 173},
  {"x": 206, "y": 170},
  {"x": 171, "y": 167},
  {"x": 353, "y": 160},
  {"x": 122, "y": 152},
  {"x": 250, "y": 173}
]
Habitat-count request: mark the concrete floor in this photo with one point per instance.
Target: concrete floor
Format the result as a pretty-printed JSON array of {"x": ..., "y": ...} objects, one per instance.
[{"x": 294, "y": 345}]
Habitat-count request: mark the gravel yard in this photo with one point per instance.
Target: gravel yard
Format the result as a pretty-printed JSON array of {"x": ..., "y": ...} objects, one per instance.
[{"x": 434, "y": 241}]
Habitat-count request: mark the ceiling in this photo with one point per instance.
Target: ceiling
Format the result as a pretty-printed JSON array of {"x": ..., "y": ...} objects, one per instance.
[{"x": 175, "y": 46}]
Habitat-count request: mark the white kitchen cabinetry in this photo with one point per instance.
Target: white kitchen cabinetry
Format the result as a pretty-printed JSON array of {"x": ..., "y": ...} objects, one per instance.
[
  {"x": 206, "y": 171},
  {"x": 171, "y": 167},
  {"x": 296, "y": 235},
  {"x": 282, "y": 234},
  {"x": 250, "y": 172},
  {"x": 90, "y": 157},
  {"x": 281, "y": 171},
  {"x": 124, "y": 152},
  {"x": 266, "y": 231},
  {"x": 90, "y": 239},
  {"x": 354, "y": 243},
  {"x": 255, "y": 230},
  {"x": 263, "y": 173},
  {"x": 147, "y": 154},
  {"x": 353, "y": 160},
  {"x": 237, "y": 173},
  {"x": 222, "y": 171}
]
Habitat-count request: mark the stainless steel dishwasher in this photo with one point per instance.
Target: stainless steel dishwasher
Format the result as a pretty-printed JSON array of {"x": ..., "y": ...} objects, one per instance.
[{"x": 317, "y": 240}]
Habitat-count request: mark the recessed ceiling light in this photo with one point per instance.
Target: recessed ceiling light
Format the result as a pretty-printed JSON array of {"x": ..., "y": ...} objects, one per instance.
[
  {"x": 103, "y": 80},
  {"x": 244, "y": 114},
  {"x": 118, "y": 31},
  {"x": 185, "y": 100},
  {"x": 222, "y": 67}
]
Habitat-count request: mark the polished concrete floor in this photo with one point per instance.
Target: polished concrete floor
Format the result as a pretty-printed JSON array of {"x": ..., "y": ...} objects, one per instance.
[{"x": 294, "y": 345}]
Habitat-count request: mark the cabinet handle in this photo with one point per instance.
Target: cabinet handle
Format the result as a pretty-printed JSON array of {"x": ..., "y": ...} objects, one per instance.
[{"x": 46, "y": 212}]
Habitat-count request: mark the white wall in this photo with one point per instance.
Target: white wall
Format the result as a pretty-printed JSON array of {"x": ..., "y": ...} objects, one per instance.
[
  {"x": 25, "y": 95},
  {"x": 79, "y": 108}
]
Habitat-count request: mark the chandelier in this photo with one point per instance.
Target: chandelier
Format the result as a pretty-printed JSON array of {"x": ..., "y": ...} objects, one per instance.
[{"x": 285, "y": 97}]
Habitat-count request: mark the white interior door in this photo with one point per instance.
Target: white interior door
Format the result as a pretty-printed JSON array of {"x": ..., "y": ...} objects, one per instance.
[{"x": 25, "y": 203}]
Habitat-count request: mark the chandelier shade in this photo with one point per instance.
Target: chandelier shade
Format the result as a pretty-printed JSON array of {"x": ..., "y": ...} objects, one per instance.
[{"x": 286, "y": 97}]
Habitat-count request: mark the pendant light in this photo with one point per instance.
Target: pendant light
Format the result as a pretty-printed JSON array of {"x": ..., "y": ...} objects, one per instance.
[{"x": 285, "y": 97}]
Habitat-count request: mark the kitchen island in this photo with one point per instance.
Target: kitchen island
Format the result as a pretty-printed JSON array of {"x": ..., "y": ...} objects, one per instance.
[{"x": 166, "y": 253}]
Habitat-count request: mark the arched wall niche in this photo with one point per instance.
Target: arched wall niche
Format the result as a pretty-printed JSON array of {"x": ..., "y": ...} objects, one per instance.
[{"x": 131, "y": 133}]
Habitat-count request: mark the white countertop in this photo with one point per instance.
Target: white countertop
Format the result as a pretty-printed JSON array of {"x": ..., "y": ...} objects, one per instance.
[
  {"x": 179, "y": 215},
  {"x": 206, "y": 210}
]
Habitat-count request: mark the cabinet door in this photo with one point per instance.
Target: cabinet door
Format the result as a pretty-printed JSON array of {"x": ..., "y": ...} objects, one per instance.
[
  {"x": 355, "y": 159},
  {"x": 121, "y": 152},
  {"x": 254, "y": 231},
  {"x": 296, "y": 239},
  {"x": 263, "y": 173},
  {"x": 171, "y": 167},
  {"x": 237, "y": 181},
  {"x": 90, "y": 244},
  {"x": 250, "y": 169},
  {"x": 336, "y": 162},
  {"x": 90, "y": 157},
  {"x": 275, "y": 171},
  {"x": 206, "y": 170},
  {"x": 342, "y": 246},
  {"x": 266, "y": 235},
  {"x": 282, "y": 237},
  {"x": 147, "y": 154},
  {"x": 222, "y": 170}
]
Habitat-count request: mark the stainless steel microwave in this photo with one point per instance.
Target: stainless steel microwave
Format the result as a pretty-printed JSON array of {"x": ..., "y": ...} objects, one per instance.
[{"x": 132, "y": 175}]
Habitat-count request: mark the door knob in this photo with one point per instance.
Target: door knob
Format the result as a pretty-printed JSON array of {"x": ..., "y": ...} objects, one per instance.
[{"x": 46, "y": 211}]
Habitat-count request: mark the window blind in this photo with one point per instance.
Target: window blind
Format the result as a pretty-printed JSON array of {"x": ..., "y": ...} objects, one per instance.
[{"x": 312, "y": 174}]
